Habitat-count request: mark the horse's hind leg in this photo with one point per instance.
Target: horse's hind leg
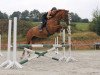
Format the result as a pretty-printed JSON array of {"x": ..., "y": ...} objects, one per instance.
[
  {"x": 25, "y": 52},
  {"x": 30, "y": 41}
]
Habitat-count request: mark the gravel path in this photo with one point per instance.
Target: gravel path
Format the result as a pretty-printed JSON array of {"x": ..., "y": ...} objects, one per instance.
[{"x": 88, "y": 64}]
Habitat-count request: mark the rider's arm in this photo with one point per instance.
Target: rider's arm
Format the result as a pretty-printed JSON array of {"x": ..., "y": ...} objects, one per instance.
[{"x": 48, "y": 15}]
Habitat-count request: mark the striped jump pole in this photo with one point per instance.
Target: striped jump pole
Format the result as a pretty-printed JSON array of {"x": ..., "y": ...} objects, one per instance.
[
  {"x": 54, "y": 48},
  {"x": 41, "y": 45},
  {"x": 8, "y": 61},
  {"x": 38, "y": 54},
  {"x": 63, "y": 47},
  {"x": 70, "y": 58},
  {"x": 56, "y": 43}
]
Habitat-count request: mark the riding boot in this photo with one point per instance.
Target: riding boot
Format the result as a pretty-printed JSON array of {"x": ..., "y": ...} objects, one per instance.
[{"x": 41, "y": 26}]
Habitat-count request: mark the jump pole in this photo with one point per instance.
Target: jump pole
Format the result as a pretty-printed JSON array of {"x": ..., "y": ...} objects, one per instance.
[
  {"x": 8, "y": 61},
  {"x": 63, "y": 39},
  {"x": 14, "y": 62},
  {"x": 70, "y": 58},
  {"x": 54, "y": 48},
  {"x": 37, "y": 54},
  {"x": 0, "y": 46},
  {"x": 56, "y": 43}
]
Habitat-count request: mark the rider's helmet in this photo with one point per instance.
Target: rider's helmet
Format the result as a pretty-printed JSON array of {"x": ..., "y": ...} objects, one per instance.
[{"x": 54, "y": 8}]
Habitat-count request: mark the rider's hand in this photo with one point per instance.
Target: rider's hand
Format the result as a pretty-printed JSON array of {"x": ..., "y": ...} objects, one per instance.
[{"x": 49, "y": 17}]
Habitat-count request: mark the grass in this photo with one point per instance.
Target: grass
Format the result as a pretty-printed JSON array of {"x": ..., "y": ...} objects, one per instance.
[
  {"x": 36, "y": 23},
  {"x": 82, "y": 26}
]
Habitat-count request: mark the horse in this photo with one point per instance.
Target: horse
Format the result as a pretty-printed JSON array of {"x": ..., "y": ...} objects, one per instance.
[{"x": 52, "y": 26}]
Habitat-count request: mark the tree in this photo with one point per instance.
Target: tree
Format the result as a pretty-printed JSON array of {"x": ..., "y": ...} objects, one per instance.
[
  {"x": 95, "y": 24},
  {"x": 75, "y": 17},
  {"x": 25, "y": 15},
  {"x": 35, "y": 15},
  {"x": 16, "y": 14},
  {"x": 85, "y": 20},
  {"x": 3, "y": 15}
]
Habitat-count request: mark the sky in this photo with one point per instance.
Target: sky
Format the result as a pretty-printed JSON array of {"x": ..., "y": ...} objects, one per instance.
[{"x": 84, "y": 8}]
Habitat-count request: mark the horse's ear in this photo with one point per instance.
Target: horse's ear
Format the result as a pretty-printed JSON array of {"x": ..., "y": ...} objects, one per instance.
[
  {"x": 59, "y": 10},
  {"x": 67, "y": 11}
]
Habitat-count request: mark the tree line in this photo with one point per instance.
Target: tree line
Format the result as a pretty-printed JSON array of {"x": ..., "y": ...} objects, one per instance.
[{"x": 35, "y": 15}]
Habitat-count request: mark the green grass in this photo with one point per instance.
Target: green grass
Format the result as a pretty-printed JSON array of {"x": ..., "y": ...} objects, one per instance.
[
  {"x": 82, "y": 26},
  {"x": 36, "y": 23}
]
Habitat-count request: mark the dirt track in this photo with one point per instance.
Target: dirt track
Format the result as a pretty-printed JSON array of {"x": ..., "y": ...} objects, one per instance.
[{"x": 88, "y": 64}]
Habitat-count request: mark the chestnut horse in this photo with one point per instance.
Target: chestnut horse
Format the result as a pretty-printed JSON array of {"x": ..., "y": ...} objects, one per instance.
[{"x": 53, "y": 26}]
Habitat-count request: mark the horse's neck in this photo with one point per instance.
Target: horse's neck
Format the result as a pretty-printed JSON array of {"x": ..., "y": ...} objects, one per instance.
[
  {"x": 53, "y": 22},
  {"x": 55, "y": 19},
  {"x": 58, "y": 18},
  {"x": 53, "y": 25}
]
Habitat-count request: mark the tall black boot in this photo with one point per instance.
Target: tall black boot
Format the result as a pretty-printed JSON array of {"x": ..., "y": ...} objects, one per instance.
[{"x": 41, "y": 26}]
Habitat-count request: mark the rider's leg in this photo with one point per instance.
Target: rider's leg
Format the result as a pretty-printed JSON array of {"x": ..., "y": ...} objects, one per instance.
[{"x": 42, "y": 25}]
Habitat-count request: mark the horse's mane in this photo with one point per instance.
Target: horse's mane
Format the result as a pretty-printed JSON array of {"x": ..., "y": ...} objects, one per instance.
[
  {"x": 60, "y": 10},
  {"x": 57, "y": 11}
]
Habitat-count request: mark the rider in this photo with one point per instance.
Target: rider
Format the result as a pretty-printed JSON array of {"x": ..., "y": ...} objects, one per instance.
[{"x": 45, "y": 17}]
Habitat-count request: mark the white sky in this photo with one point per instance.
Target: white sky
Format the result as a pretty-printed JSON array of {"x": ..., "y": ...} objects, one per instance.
[{"x": 84, "y": 8}]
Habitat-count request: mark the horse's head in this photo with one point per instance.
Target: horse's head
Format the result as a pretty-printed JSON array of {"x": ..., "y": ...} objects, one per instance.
[
  {"x": 65, "y": 16},
  {"x": 62, "y": 14}
]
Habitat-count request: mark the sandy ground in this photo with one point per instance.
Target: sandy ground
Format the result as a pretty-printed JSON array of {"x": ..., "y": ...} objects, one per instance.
[{"x": 88, "y": 64}]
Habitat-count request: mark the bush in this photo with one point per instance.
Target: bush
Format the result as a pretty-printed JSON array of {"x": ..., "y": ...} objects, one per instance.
[
  {"x": 95, "y": 24},
  {"x": 84, "y": 36},
  {"x": 3, "y": 26},
  {"x": 22, "y": 28}
]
